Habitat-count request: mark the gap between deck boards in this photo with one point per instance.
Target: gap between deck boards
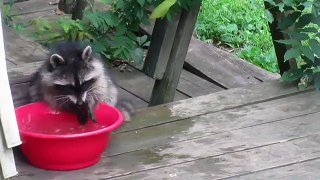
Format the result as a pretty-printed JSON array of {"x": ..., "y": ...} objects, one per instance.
[
  {"x": 224, "y": 145},
  {"x": 220, "y": 101}
]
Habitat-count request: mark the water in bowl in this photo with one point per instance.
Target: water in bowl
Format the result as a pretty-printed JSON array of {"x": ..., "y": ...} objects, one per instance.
[{"x": 55, "y": 123}]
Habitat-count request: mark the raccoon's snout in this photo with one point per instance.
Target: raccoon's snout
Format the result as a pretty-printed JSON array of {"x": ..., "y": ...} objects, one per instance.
[
  {"x": 78, "y": 100},
  {"x": 82, "y": 99}
]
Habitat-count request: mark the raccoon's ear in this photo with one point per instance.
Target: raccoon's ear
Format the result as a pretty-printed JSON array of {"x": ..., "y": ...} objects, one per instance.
[
  {"x": 56, "y": 60},
  {"x": 86, "y": 53}
]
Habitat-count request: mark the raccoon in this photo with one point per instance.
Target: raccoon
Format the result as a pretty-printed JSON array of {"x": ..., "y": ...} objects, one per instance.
[{"x": 73, "y": 79}]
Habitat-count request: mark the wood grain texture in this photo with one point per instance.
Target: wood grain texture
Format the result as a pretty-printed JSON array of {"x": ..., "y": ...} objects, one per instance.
[
  {"x": 194, "y": 86},
  {"x": 32, "y": 6},
  {"x": 224, "y": 152},
  {"x": 214, "y": 123},
  {"x": 215, "y": 54},
  {"x": 164, "y": 89},
  {"x": 20, "y": 50},
  {"x": 10, "y": 64},
  {"x": 253, "y": 70},
  {"x": 218, "y": 69},
  {"x": 225, "y": 166},
  {"x": 160, "y": 47},
  {"x": 139, "y": 84},
  {"x": 307, "y": 169},
  {"x": 219, "y": 101},
  {"x": 191, "y": 84}
]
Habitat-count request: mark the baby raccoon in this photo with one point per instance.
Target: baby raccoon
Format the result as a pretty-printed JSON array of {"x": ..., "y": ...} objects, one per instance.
[{"x": 73, "y": 79}]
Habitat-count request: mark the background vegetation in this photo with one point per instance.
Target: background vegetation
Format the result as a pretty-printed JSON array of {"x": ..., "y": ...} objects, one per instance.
[
  {"x": 241, "y": 27},
  {"x": 238, "y": 26}
]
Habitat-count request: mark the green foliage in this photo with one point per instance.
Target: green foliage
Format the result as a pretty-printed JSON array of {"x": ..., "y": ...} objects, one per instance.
[
  {"x": 240, "y": 25},
  {"x": 301, "y": 20},
  {"x": 114, "y": 33},
  {"x": 162, "y": 9}
]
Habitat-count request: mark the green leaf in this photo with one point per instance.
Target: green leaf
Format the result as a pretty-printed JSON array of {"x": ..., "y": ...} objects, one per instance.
[
  {"x": 315, "y": 46},
  {"x": 141, "y": 40},
  {"x": 291, "y": 53},
  {"x": 299, "y": 36},
  {"x": 288, "y": 2},
  {"x": 292, "y": 42},
  {"x": 106, "y": 1},
  {"x": 137, "y": 55},
  {"x": 304, "y": 20},
  {"x": 308, "y": 29},
  {"x": 281, "y": 7},
  {"x": 307, "y": 4},
  {"x": 292, "y": 75},
  {"x": 141, "y": 2},
  {"x": 109, "y": 18},
  {"x": 268, "y": 15},
  {"x": 131, "y": 36},
  {"x": 307, "y": 52},
  {"x": 162, "y": 9},
  {"x": 271, "y": 2},
  {"x": 289, "y": 20},
  {"x": 66, "y": 27},
  {"x": 301, "y": 7},
  {"x": 316, "y": 70},
  {"x": 316, "y": 81}
]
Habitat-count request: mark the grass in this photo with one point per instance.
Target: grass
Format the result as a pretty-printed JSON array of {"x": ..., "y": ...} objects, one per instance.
[{"x": 241, "y": 27}]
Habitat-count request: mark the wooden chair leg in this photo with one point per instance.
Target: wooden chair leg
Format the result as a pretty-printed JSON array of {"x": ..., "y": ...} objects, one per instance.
[{"x": 164, "y": 89}]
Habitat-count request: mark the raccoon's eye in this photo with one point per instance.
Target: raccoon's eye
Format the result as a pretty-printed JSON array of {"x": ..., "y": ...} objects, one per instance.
[
  {"x": 86, "y": 84},
  {"x": 65, "y": 89}
]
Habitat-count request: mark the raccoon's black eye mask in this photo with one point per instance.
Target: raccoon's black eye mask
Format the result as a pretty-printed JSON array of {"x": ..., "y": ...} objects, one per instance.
[{"x": 71, "y": 89}]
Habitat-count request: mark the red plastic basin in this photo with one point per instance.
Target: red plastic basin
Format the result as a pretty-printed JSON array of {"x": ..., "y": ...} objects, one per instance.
[{"x": 55, "y": 140}]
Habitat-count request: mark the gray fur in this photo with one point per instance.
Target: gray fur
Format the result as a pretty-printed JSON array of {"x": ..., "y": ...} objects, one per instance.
[{"x": 71, "y": 64}]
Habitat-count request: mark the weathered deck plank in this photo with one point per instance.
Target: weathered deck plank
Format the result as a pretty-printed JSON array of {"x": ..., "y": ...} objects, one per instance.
[
  {"x": 10, "y": 64},
  {"x": 218, "y": 69},
  {"x": 21, "y": 50},
  {"x": 222, "y": 100},
  {"x": 32, "y": 6},
  {"x": 229, "y": 60},
  {"x": 214, "y": 123},
  {"x": 230, "y": 148},
  {"x": 241, "y": 162},
  {"x": 194, "y": 86},
  {"x": 308, "y": 169},
  {"x": 139, "y": 84}
]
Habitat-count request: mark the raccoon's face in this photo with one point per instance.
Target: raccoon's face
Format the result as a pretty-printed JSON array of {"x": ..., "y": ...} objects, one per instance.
[{"x": 74, "y": 74}]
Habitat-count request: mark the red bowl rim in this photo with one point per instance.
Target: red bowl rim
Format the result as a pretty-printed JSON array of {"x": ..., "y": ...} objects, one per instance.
[{"x": 86, "y": 134}]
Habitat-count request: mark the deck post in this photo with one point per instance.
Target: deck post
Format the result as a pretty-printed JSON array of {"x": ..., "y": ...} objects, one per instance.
[
  {"x": 77, "y": 12},
  {"x": 280, "y": 49},
  {"x": 164, "y": 89},
  {"x": 159, "y": 50},
  {"x": 9, "y": 132}
]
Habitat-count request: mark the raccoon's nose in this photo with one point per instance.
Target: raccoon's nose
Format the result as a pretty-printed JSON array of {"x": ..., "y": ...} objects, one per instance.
[{"x": 79, "y": 102}]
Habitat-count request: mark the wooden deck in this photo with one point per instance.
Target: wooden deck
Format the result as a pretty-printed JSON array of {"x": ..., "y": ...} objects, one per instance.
[
  {"x": 231, "y": 122},
  {"x": 270, "y": 131},
  {"x": 207, "y": 69}
]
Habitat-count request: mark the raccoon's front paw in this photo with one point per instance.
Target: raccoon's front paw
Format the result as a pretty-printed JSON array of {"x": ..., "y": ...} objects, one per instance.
[
  {"x": 91, "y": 114},
  {"x": 93, "y": 118},
  {"x": 83, "y": 120}
]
